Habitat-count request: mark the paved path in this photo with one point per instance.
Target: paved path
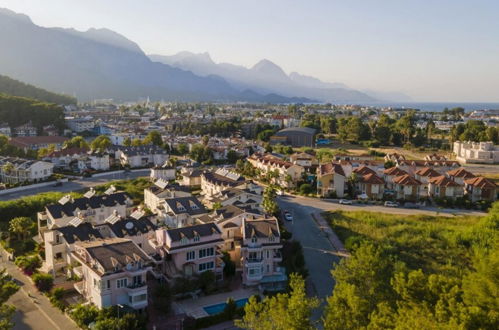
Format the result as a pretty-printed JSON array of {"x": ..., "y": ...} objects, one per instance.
[
  {"x": 78, "y": 184},
  {"x": 33, "y": 310}
]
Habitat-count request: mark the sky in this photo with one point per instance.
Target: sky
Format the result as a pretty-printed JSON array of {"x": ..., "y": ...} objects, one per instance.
[{"x": 432, "y": 50}]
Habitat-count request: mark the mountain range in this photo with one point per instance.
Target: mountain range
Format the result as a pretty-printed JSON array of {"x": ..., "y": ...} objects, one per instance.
[{"x": 100, "y": 63}]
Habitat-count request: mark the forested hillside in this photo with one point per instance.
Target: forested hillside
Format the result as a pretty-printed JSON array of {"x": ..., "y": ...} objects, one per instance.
[
  {"x": 17, "y": 88},
  {"x": 19, "y": 110}
]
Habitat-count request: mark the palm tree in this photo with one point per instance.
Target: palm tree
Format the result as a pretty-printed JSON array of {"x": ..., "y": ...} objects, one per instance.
[{"x": 20, "y": 226}]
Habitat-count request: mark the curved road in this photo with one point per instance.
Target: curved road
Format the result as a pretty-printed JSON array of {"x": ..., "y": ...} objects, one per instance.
[{"x": 320, "y": 255}]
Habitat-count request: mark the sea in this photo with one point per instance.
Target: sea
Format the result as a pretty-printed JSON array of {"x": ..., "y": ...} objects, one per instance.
[{"x": 437, "y": 106}]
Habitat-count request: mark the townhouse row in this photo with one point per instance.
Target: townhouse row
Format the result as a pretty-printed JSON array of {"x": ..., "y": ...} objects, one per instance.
[{"x": 408, "y": 180}]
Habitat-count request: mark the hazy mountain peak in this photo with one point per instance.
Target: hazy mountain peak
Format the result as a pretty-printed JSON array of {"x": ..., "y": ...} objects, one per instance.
[
  {"x": 269, "y": 68},
  {"x": 112, "y": 38},
  {"x": 313, "y": 82},
  {"x": 12, "y": 14}
]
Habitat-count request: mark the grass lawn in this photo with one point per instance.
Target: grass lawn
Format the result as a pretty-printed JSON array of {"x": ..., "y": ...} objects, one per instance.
[{"x": 432, "y": 243}]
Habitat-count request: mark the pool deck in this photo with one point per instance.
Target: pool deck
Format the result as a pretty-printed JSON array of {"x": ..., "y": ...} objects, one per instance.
[{"x": 194, "y": 307}]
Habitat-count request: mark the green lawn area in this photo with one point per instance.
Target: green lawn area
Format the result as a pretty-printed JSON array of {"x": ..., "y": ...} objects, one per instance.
[{"x": 432, "y": 243}]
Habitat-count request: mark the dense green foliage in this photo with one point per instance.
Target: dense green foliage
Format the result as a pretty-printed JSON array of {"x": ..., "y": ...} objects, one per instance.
[
  {"x": 17, "y": 88},
  {"x": 7, "y": 289},
  {"x": 285, "y": 311},
  {"x": 10, "y": 150},
  {"x": 416, "y": 272},
  {"x": 219, "y": 127},
  {"x": 107, "y": 318},
  {"x": 43, "y": 282},
  {"x": 475, "y": 130},
  {"x": 27, "y": 206},
  {"x": 293, "y": 259},
  {"x": 17, "y": 111}
]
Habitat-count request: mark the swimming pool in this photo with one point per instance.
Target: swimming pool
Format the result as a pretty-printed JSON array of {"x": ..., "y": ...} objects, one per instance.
[{"x": 219, "y": 308}]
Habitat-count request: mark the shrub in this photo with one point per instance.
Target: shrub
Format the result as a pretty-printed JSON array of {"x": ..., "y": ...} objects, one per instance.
[
  {"x": 83, "y": 315},
  {"x": 207, "y": 281},
  {"x": 29, "y": 264},
  {"x": 55, "y": 298},
  {"x": 43, "y": 282},
  {"x": 306, "y": 189}
]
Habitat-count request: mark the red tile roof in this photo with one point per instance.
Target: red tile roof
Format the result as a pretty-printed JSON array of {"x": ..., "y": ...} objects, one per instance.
[
  {"x": 363, "y": 170},
  {"x": 481, "y": 182},
  {"x": 372, "y": 178},
  {"x": 26, "y": 141},
  {"x": 406, "y": 180},
  {"x": 394, "y": 171},
  {"x": 330, "y": 168},
  {"x": 68, "y": 152},
  {"x": 427, "y": 172},
  {"x": 460, "y": 173},
  {"x": 443, "y": 181}
]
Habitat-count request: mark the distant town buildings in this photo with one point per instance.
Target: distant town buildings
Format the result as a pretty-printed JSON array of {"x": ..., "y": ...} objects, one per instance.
[{"x": 476, "y": 152}]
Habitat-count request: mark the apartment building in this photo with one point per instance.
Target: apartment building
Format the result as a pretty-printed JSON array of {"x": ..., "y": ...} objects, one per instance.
[
  {"x": 260, "y": 254},
  {"x": 285, "y": 174},
  {"x": 181, "y": 211},
  {"x": 215, "y": 182},
  {"x": 245, "y": 197},
  {"x": 20, "y": 170},
  {"x": 90, "y": 208},
  {"x": 190, "y": 250},
  {"x": 156, "y": 195},
  {"x": 476, "y": 152},
  {"x": 59, "y": 241},
  {"x": 113, "y": 272}
]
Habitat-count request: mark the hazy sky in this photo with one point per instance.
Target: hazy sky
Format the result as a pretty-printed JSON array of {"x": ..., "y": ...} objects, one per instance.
[{"x": 433, "y": 50}]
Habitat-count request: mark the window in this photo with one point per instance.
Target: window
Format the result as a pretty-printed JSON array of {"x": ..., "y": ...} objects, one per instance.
[
  {"x": 140, "y": 297},
  {"x": 268, "y": 255},
  {"x": 191, "y": 255},
  {"x": 254, "y": 239},
  {"x": 206, "y": 266},
  {"x": 196, "y": 238},
  {"x": 121, "y": 283},
  {"x": 137, "y": 279},
  {"x": 271, "y": 238},
  {"x": 58, "y": 255},
  {"x": 184, "y": 240},
  {"x": 208, "y": 252}
]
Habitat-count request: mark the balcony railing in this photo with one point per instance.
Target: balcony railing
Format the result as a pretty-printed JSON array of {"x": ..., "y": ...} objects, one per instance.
[
  {"x": 253, "y": 260},
  {"x": 136, "y": 285}
]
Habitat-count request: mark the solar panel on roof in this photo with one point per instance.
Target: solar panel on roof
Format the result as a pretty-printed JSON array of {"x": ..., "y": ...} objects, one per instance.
[
  {"x": 64, "y": 199},
  {"x": 112, "y": 219},
  {"x": 137, "y": 214},
  {"x": 89, "y": 193},
  {"x": 76, "y": 222},
  {"x": 161, "y": 183},
  {"x": 110, "y": 190}
]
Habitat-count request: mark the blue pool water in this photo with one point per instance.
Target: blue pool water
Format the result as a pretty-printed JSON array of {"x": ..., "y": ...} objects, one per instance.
[{"x": 219, "y": 308}]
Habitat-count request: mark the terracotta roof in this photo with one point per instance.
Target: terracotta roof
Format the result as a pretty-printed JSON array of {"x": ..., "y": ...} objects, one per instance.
[
  {"x": 406, "y": 180},
  {"x": 372, "y": 178},
  {"x": 394, "y": 171},
  {"x": 427, "y": 172},
  {"x": 481, "y": 182},
  {"x": 443, "y": 181},
  {"x": 26, "y": 141},
  {"x": 330, "y": 168},
  {"x": 460, "y": 173},
  {"x": 363, "y": 170}
]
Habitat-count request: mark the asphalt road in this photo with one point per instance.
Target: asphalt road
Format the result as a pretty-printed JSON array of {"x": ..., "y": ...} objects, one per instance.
[
  {"x": 77, "y": 185},
  {"x": 318, "y": 251}
]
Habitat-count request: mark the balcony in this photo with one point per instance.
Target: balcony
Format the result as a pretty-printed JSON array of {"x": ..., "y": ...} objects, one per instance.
[
  {"x": 80, "y": 287},
  {"x": 277, "y": 256},
  {"x": 136, "y": 287},
  {"x": 253, "y": 261}
]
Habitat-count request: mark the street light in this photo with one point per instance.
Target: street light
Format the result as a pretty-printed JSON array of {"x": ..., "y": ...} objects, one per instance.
[{"x": 119, "y": 306}]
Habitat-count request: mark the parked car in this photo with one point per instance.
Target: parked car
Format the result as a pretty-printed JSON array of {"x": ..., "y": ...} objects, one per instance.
[
  {"x": 288, "y": 216},
  {"x": 279, "y": 193},
  {"x": 345, "y": 202},
  {"x": 411, "y": 205},
  {"x": 391, "y": 204},
  {"x": 57, "y": 184}
]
